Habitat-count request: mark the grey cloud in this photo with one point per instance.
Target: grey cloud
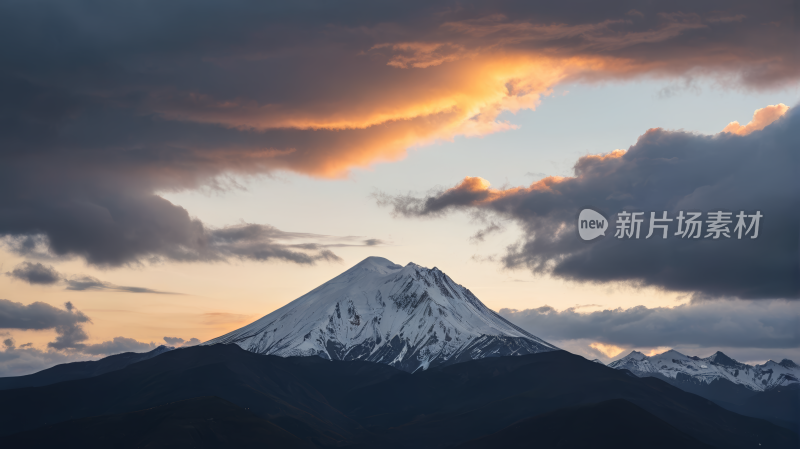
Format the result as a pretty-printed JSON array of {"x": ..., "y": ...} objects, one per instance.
[
  {"x": 536, "y": 175},
  {"x": 35, "y": 273},
  {"x": 68, "y": 346},
  {"x": 489, "y": 258},
  {"x": 342, "y": 242},
  {"x": 729, "y": 324},
  {"x": 664, "y": 171},
  {"x": 491, "y": 228},
  {"x": 39, "y": 316},
  {"x": 173, "y": 341},
  {"x": 116, "y": 346},
  {"x": 133, "y": 230},
  {"x": 436, "y": 203},
  {"x": 70, "y": 334},
  {"x": 689, "y": 85},
  {"x": 32, "y": 246},
  {"x": 259, "y": 242},
  {"x": 83, "y": 283},
  {"x": 68, "y": 323},
  {"x": 180, "y": 342}
]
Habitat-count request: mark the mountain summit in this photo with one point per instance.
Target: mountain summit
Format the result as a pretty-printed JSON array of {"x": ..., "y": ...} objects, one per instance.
[{"x": 408, "y": 317}]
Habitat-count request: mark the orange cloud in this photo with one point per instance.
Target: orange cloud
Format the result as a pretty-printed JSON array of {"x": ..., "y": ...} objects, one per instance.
[
  {"x": 607, "y": 350},
  {"x": 413, "y": 87},
  {"x": 761, "y": 119},
  {"x": 320, "y": 94},
  {"x": 473, "y": 89},
  {"x": 657, "y": 350},
  {"x": 396, "y": 109},
  {"x": 473, "y": 184},
  {"x": 478, "y": 190}
]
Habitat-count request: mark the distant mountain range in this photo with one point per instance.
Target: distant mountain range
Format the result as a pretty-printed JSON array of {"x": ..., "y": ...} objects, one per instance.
[
  {"x": 674, "y": 365},
  {"x": 770, "y": 391},
  {"x": 408, "y": 317}
]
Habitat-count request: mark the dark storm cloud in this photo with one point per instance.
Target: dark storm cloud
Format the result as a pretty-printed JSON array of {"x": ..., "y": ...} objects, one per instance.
[
  {"x": 67, "y": 323},
  {"x": 119, "y": 231},
  {"x": 730, "y": 324},
  {"x": 101, "y": 107},
  {"x": 260, "y": 242},
  {"x": 35, "y": 273},
  {"x": 664, "y": 171}
]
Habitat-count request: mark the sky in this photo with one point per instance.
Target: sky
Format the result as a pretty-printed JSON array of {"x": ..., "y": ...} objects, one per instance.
[{"x": 171, "y": 172}]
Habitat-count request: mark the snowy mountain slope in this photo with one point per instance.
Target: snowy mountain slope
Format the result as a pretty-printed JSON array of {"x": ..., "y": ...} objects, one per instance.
[
  {"x": 672, "y": 363},
  {"x": 408, "y": 317}
]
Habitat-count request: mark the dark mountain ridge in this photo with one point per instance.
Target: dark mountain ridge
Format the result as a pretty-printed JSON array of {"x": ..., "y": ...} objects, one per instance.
[
  {"x": 79, "y": 370},
  {"x": 207, "y": 422},
  {"x": 363, "y": 404}
]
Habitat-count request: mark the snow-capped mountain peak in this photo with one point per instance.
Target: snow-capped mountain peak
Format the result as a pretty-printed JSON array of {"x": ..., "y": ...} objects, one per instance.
[
  {"x": 673, "y": 364},
  {"x": 721, "y": 359},
  {"x": 409, "y": 317},
  {"x": 636, "y": 355},
  {"x": 786, "y": 363}
]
